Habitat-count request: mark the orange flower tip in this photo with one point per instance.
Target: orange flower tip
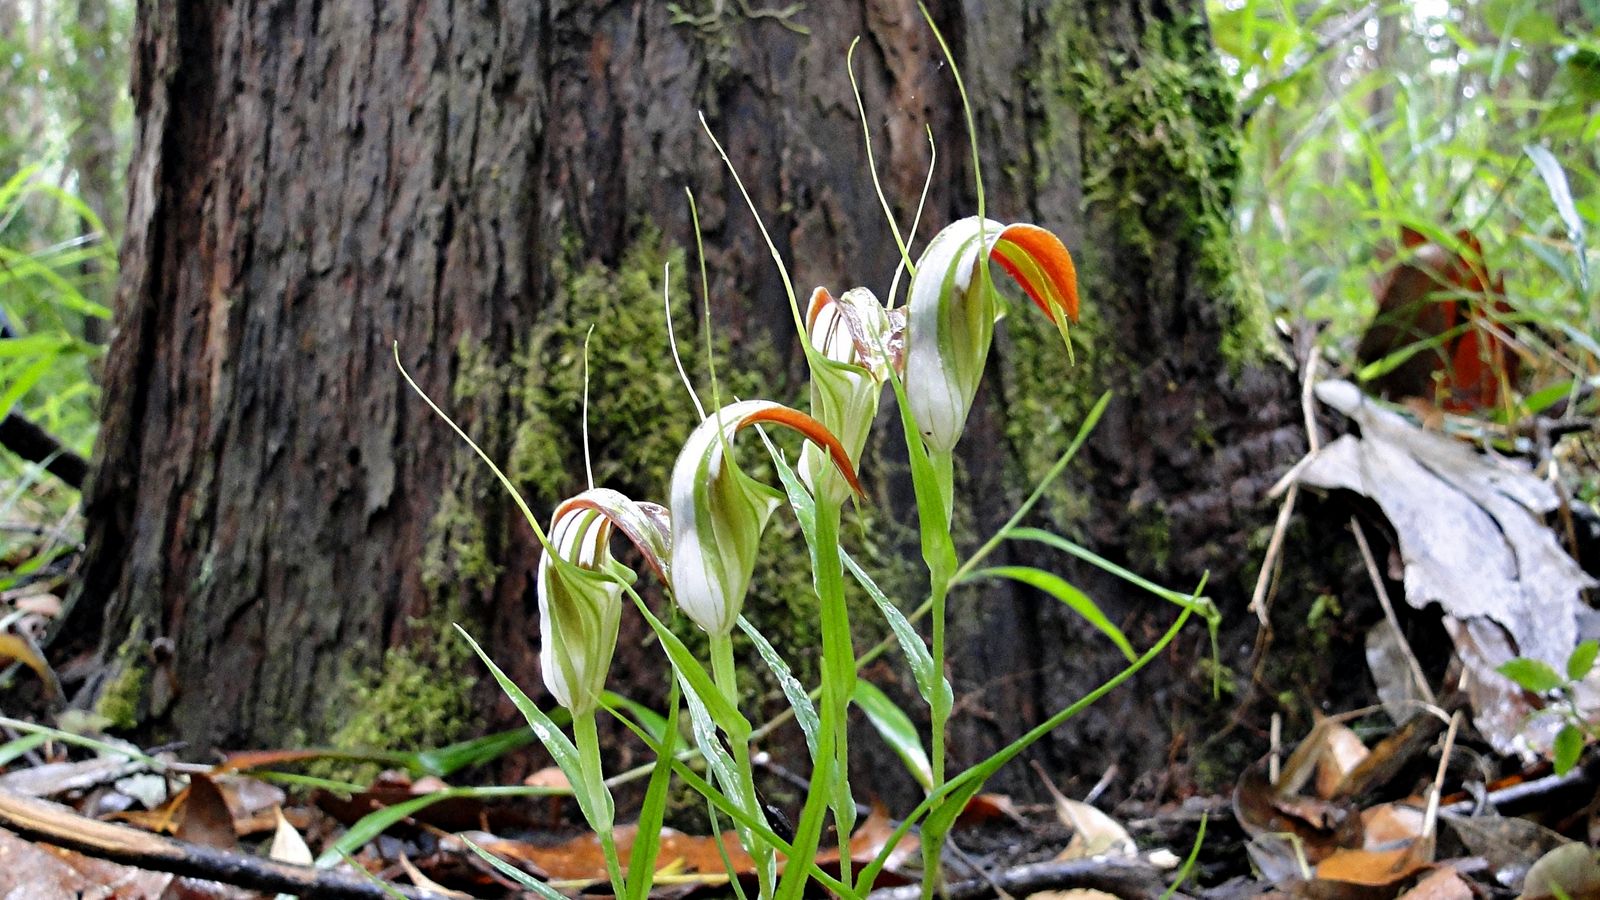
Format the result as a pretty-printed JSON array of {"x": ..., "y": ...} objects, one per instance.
[
  {"x": 813, "y": 431},
  {"x": 819, "y": 299},
  {"x": 1052, "y": 281}
]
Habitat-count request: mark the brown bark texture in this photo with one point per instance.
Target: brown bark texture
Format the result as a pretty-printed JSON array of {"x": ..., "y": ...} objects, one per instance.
[{"x": 313, "y": 182}]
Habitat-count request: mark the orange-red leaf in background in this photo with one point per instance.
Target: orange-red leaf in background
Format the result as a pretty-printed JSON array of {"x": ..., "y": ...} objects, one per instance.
[{"x": 1435, "y": 292}]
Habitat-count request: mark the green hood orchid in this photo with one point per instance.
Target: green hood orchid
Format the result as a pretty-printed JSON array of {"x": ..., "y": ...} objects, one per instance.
[
  {"x": 580, "y": 589},
  {"x": 857, "y": 343},
  {"x": 719, "y": 512},
  {"x": 952, "y": 313}
]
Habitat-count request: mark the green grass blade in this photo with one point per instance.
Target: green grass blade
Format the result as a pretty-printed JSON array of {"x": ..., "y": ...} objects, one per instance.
[
  {"x": 560, "y": 747},
  {"x": 897, "y": 730},
  {"x": 523, "y": 879},
  {"x": 647, "y": 836},
  {"x": 1062, "y": 590}
]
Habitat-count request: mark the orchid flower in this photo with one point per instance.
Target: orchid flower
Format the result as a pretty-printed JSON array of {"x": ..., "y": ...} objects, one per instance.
[
  {"x": 719, "y": 512},
  {"x": 952, "y": 314},
  {"x": 580, "y": 589},
  {"x": 857, "y": 344}
]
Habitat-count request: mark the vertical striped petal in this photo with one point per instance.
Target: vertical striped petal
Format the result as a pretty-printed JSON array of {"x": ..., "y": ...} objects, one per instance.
[
  {"x": 852, "y": 337},
  {"x": 719, "y": 512},
  {"x": 580, "y": 589},
  {"x": 951, "y": 322}
]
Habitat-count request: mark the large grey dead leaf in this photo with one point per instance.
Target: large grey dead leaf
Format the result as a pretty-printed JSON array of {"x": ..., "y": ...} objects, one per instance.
[{"x": 1472, "y": 541}]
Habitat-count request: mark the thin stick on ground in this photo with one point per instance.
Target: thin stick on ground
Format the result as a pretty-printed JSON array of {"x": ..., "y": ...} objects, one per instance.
[
  {"x": 52, "y": 823},
  {"x": 1388, "y": 613}
]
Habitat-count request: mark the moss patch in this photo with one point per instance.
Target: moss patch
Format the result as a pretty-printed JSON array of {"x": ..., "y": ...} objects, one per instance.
[
  {"x": 419, "y": 696},
  {"x": 121, "y": 701},
  {"x": 1161, "y": 159}
]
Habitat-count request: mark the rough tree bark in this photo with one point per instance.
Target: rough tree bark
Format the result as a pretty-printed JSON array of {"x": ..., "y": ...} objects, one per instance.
[{"x": 275, "y": 520}]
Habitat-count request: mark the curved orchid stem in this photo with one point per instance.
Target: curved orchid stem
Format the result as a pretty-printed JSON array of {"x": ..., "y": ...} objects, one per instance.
[
  {"x": 587, "y": 738},
  {"x": 725, "y": 676}
]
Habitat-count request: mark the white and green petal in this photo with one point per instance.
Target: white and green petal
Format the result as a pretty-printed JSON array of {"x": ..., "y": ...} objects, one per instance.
[
  {"x": 952, "y": 314},
  {"x": 719, "y": 512},
  {"x": 855, "y": 345},
  {"x": 580, "y": 585}
]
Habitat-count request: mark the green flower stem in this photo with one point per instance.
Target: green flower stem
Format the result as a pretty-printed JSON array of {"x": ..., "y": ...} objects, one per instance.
[
  {"x": 588, "y": 741},
  {"x": 939, "y": 552},
  {"x": 726, "y": 678},
  {"x": 839, "y": 672},
  {"x": 830, "y": 778}
]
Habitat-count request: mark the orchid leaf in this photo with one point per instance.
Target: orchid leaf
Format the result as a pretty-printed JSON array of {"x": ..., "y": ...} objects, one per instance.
[
  {"x": 897, "y": 731},
  {"x": 1062, "y": 590}
]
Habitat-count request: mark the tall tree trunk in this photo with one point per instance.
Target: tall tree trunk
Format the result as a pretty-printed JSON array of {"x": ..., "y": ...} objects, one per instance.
[{"x": 314, "y": 182}]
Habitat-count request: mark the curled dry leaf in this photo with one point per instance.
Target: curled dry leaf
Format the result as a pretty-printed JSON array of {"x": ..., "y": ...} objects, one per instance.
[
  {"x": 1093, "y": 832},
  {"x": 1342, "y": 751},
  {"x": 287, "y": 844},
  {"x": 1321, "y": 827},
  {"x": 204, "y": 817},
  {"x": 1472, "y": 540}
]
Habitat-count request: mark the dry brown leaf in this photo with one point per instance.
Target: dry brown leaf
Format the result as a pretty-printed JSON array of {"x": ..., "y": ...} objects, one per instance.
[
  {"x": 204, "y": 817},
  {"x": 21, "y": 648},
  {"x": 548, "y": 777},
  {"x": 1509, "y": 845},
  {"x": 55, "y": 779},
  {"x": 1388, "y": 824},
  {"x": 1342, "y": 751},
  {"x": 987, "y": 807},
  {"x": 1321, "y": 826},
  {"x": 287, "y": 844},
  {"x": 1093, "y": 832},
  {"x": 869, "y": 839},
  {"x": 1376, "y": 868},
  {"x": 1472, "y": 538},
  {"x": 29, "y": 870},
  {"x": 1444, "y": 884}
]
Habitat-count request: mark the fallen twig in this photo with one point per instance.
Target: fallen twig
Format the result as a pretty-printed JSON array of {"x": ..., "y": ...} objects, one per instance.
[
  {"x": 36, "y": 445},
  {"x": 53, "y": 823},
  {"x": 1120, "y": 876}
]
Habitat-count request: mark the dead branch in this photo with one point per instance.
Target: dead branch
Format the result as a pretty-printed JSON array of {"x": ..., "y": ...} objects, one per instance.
[
  {"x": 53, "y": 823},
  {"x": 36, "y": 445}
]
